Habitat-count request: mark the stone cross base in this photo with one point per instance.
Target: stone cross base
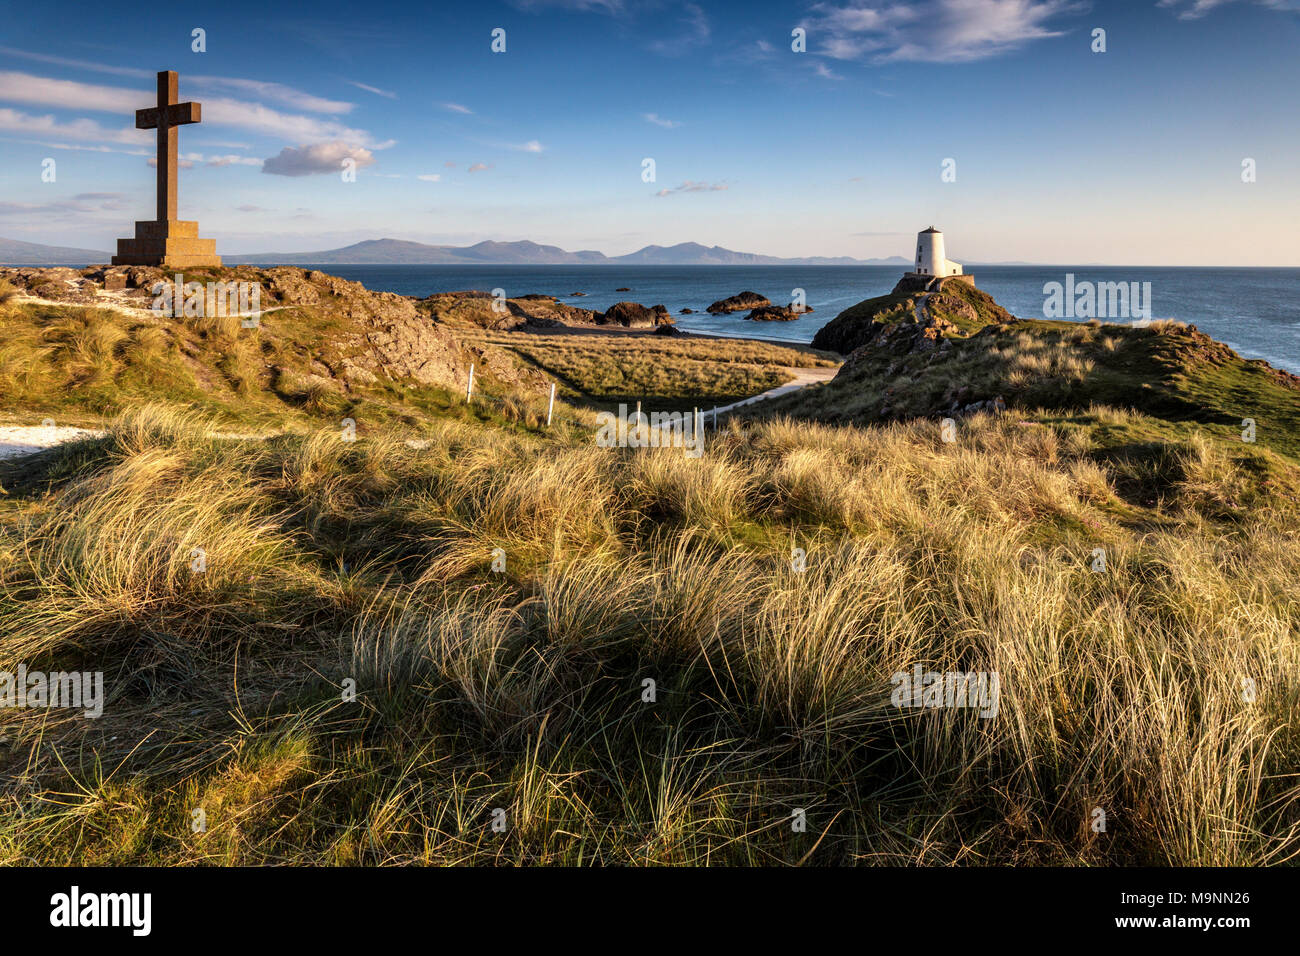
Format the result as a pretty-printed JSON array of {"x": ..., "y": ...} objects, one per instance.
[{"x": 172, "y": 242}]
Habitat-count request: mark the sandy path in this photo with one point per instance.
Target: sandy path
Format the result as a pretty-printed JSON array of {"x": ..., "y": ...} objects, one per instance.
[
  {"x": 16, "y": 440},
  {"x": 802, "y": 377}
]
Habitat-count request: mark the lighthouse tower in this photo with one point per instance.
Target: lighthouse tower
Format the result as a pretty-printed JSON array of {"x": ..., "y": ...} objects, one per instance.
[{"x": 930, "y": 260}]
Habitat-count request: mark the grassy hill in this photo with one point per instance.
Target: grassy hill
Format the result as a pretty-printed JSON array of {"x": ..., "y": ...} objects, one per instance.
[{"x": 621, "y": 649}]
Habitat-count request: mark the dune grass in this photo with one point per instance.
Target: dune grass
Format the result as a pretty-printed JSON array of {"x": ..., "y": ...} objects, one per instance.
[{"x": 349, "y": 680}]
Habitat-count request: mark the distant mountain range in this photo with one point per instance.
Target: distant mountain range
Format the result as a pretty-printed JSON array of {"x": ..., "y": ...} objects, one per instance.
[
  {"x": 401, "y": 252},
  {"x": 16, "y": 253}
]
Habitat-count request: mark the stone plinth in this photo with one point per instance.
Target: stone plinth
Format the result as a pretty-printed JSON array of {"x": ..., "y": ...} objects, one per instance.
[{"x": 173, "y": 242}]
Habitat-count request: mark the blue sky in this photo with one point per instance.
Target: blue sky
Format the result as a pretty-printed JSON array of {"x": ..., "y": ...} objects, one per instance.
[{"x": 1062, "y": 155}]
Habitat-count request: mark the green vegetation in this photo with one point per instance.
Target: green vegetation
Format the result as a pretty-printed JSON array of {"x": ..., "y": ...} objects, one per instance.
[{"x": 600, "y": 370}]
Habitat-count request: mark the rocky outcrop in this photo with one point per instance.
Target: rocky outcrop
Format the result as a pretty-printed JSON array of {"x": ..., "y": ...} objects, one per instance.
[
  {"x": 739, "y": 302},
  {"x": 777, "y": 313},
  {"x": 480, "y": 309},
  {"x": 633, "y": 315}
]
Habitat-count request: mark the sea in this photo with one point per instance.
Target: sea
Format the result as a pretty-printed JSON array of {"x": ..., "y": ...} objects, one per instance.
[{"x": 1255, "y": 311}]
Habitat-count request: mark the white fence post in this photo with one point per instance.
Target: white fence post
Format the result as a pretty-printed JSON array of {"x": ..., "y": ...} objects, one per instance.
[
  {"x": 469, "y": 389},
  {"x": 550, "y": 407}
]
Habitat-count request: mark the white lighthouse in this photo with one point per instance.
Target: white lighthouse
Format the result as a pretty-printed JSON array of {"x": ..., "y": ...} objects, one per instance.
[{"x": 930, "y": 260}]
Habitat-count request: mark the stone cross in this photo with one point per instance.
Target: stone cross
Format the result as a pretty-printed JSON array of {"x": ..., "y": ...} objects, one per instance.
[
  {"x": 165, "y": 117},
  {"x": 167, "y": 241}
]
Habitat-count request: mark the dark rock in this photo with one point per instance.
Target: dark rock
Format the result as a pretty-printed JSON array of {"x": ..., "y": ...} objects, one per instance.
[
  {"x": 773, "y": 313},
  {"x": 668, "y": 330},
  {"x": 622, "y": 288},
  {"x": 633, "y": 315},
  {"x": 739, "y": 303},
  {"x": 688, "y": 312}
]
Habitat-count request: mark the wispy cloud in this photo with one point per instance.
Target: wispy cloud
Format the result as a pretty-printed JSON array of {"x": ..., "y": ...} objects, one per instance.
[
  {"x": 1195, "y": 9},
  {"x": 695, "y": 32},
  {"x": 78, "y": 129},
  {"x": 220, "y": 111},
  {"x": 479, "y": 167},
  {"x": 274, "y": 92},
  {"x": 689, "y": 186},
  {"x": 430, "y": 177},
  {"x": 374, "y": 89},
  {"x": 80, "y": 205},
  {"x": 457, "y": 108},
  {"x": 825, "y": 72},
  {"x": 597, "y": 6},
  {"x": 660, "y": 121},
  {"x": 933, "y": 31},
  {"x": 532, "y": 146},
  {"x": 76, "y": 64}
]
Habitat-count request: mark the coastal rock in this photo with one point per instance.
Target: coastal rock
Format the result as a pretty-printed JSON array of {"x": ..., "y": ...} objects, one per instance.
[
  {"x": 622, "y": 288},
  {"x": 687, "y": 312},
  {"x": 633, "y": 315},
  {"x": 480, "y": 309},
  {"x": 739, "y": 302},
  {"x": 775, "y": 313}
]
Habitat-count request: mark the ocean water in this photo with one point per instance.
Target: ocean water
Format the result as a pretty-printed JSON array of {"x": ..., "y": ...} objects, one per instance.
[{"x": 1256, "y": 311}]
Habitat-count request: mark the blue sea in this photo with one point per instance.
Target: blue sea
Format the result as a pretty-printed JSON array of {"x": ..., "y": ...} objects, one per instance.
[{"x": 1256, "y": 311}]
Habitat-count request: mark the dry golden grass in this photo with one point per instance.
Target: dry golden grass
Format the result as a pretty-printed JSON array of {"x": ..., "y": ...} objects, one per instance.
[{"x": 524, "y": 690}]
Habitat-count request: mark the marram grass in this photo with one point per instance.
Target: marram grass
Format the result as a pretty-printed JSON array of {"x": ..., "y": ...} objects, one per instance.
[{"x": 367, "y": 565}]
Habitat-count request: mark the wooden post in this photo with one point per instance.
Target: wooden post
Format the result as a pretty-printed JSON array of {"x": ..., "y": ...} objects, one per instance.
[
  {"x": 550, "y": 407},
  {"x": 469, "y": 389},
  {"x": 638, "y": 420}
]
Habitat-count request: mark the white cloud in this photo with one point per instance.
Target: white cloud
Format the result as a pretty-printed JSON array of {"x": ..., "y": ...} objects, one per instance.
[
  {"x": 690, "y": 186},
  {"x": 457, "y": 108},
  {"x": 479, "y": 167},
  {"x": 532, "y": 146},
  {"x": 315, "y": 159},
  {"x": 1195, "y": 9},
  {"x": 825, "y": 72},
  {"x": 932, "y": 31},
  {"x": 373, "y": 89},
  {"x": 78, "y": 129},
  {"x": 660, "y": 121},
  {"x": 232, "y": 160},
  {"x": 68, "y": 94},
  {"x": 430, "y": 177}
]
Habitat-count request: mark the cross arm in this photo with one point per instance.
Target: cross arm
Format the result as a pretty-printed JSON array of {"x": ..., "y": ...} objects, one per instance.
[{"x": 177, "y": 114}]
